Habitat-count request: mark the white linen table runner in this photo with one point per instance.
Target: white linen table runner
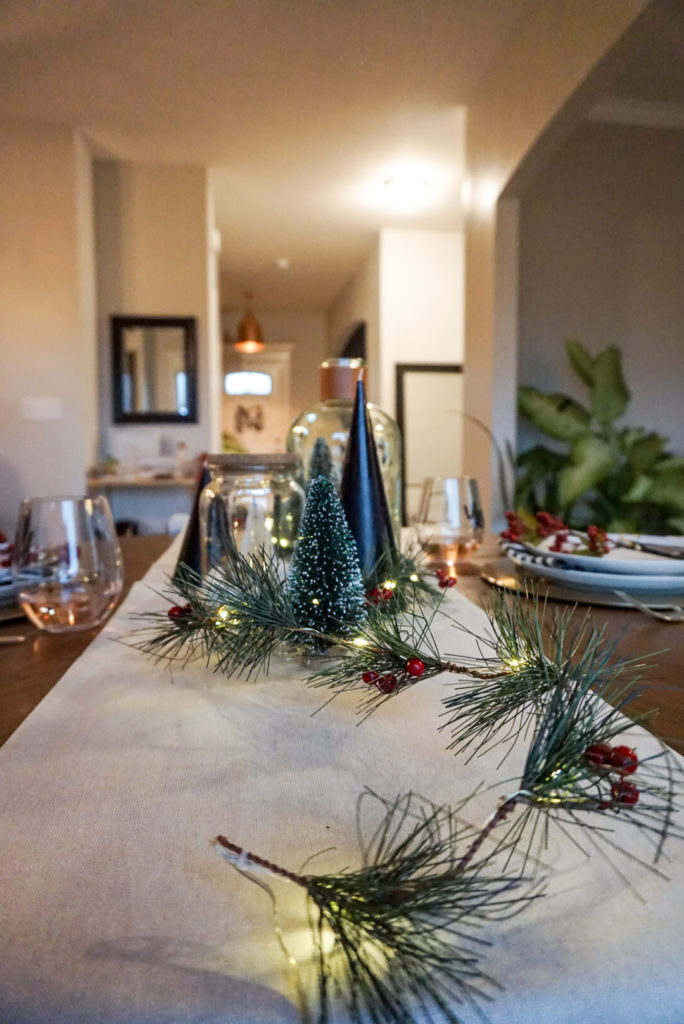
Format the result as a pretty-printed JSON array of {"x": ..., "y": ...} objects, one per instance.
[{"x": 115, "y": 909}]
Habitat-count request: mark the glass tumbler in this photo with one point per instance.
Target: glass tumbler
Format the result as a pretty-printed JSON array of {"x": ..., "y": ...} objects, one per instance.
[
  {"x": 67, "y": 562},
  {"x": 450, "y": 521}
]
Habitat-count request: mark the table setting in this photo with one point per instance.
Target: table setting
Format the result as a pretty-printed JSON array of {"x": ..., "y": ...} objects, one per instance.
[
  {"x": 311, "y": 788},
  {"x": 116, "y": 906},
  {"x": 641, "y": 571}
]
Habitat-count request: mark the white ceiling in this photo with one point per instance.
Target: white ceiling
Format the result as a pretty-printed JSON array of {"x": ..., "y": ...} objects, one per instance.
[{"x": 300, "y": 108}]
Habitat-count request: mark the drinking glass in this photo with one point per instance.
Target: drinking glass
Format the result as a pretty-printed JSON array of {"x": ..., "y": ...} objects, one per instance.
[
  {"x": 450, "y": 521},
  {"x": 67, "y": 562}
]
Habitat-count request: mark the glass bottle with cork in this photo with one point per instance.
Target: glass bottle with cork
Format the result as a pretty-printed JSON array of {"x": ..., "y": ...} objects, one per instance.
[{"x": 331, "y": 419}]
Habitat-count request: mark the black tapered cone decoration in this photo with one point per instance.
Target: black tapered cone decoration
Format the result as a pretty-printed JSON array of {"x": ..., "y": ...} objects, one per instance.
[
  {"x": 191, "y": 548},
  {"x": 363, "y": 493}
]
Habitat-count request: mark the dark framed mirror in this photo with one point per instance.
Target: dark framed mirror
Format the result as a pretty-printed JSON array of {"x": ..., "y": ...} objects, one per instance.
[{"x": 154, "y": 366}]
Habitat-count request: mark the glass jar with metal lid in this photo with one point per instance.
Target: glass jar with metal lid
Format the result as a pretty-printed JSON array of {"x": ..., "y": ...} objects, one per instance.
[{"x": 250, "y": 502}]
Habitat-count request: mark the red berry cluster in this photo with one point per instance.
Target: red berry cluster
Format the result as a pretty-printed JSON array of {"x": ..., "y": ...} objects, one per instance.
[
  {"x": 620, "y": 760},
  {"x": 177, "y": 611},
  {"x": 445, "y": 580},
  {"x": 559, "y": 541},
  {"x": 516, "y": 527},
  {"x": 388, "y": 683},
  {"x": 548, "y": 524},
  {"x": 379, "y": 594},
  {"x": 597, "y": 539}
]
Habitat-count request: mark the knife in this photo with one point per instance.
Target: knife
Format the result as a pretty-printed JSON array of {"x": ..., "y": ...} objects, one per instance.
[{"x": 650, "y": 549}]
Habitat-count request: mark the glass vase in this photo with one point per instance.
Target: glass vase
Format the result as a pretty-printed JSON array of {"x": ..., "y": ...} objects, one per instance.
[{"x": 331, "y": 419}]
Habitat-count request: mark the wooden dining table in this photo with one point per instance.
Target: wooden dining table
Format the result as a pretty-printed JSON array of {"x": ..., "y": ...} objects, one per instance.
[
  {"x": 116, "y": 907},
  {"x": 29, "y": 669}
]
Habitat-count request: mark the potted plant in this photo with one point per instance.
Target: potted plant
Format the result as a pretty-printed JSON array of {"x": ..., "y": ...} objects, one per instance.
[{"x": 619, "y": 477}]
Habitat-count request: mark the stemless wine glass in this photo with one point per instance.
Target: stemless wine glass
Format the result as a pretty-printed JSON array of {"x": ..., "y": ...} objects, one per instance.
[
  {"x": 450, "y": 521},
  {"x": 67, "y": 562}
]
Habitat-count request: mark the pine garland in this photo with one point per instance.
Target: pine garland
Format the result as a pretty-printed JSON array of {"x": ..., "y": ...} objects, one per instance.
[{"x": 406, "y": 924}]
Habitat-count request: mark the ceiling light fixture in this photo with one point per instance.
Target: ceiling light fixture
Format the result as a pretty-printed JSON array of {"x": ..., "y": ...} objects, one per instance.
[
  {"x": 406, "y": 189},
  {"x": 249, "y": 336}
]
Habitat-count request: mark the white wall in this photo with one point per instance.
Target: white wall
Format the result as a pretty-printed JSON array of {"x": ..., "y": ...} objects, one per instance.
[
  {"x": 602, "y": 237},
  {"x": 409, "y": 291},
  {"x": 47, "y": 336},
  {"x": 518, "y": 99},
  {"x": 421, "y": 302},
  {"x": 154, "y": 250}
]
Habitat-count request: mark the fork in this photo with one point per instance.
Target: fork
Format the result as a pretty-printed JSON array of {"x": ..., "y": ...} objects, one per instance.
[{"x": 676, "y": 616}]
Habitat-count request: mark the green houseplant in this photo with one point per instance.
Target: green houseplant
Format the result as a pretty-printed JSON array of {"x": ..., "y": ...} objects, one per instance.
[{"x": 619, "y": 477}]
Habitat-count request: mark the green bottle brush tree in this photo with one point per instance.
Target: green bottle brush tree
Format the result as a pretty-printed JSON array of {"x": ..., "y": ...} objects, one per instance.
[{"x": 620, "y": 477}]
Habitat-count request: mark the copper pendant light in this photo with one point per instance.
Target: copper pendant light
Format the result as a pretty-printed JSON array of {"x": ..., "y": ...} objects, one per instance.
[{"x": 249, "y": 336}]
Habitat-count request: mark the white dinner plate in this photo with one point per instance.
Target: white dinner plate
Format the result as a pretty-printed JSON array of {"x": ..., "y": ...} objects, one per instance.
[
  {"x": 634, "y": 583},
  {"x": 617, "y": 560}
]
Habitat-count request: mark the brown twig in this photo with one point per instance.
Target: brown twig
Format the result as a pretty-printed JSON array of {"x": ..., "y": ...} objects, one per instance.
[
  {"x": 252, "y": 858},
  {"x": 502, "y": 812},
  {"x": 476, "y": 673}
]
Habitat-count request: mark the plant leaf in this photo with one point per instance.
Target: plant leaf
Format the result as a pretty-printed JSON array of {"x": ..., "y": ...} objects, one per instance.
[
  {"x": 669, "y": 462},
  {"x": 644, "y": 451},
  {"x": 557, "y": 415},
  {"x": 668, "y": 490},
  {"x": 639, "y": 491},
  {"x": 582, "y": 361},
  {"x": 591, "y": 459},
  {"x": 610, "y": 395}
]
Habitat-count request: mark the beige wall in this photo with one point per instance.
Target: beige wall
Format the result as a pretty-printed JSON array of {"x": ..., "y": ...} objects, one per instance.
[
  {"x": 47, "y": 336},
  {"x": 154, "y": 250},
  {"x": 409, "y": 291},
  {"x": 359, "y": 301},
  {"x": 421, "y": 302},
  {"x": 542, "y": 66},
  {"x": 602, "y": 233}
]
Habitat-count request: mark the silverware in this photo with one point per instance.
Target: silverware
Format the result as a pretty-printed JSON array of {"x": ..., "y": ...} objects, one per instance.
[
  {"x": 677, "y": 613},
  {"x": 650, "y": 549},
  {"x": 12, "y": 639}
]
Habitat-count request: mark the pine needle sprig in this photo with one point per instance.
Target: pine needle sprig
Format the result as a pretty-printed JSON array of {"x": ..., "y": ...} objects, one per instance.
[
  {"x": 536, "y": 662},
  {"x": 570, "y": 770},
  {"x": 235, "y": 616},
  {"x": 409, "y": 928},
  {"x": 184, "y": 637},
  {"x": 562, "y": 771},
  {"x": 403, "y": 579},
  {"x": 391, "y": 652},
  {"x": 253, "y": 613},
  {"x": 384, "y": 644}
]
